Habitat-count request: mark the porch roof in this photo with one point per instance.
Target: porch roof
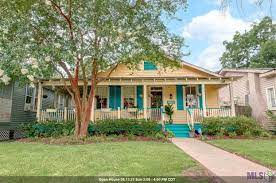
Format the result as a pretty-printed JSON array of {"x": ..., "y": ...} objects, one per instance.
[{"x": 178, "y": 80}]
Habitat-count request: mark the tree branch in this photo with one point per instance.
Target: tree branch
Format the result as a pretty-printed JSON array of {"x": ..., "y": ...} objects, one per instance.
[{"x": 67, "y": 18}]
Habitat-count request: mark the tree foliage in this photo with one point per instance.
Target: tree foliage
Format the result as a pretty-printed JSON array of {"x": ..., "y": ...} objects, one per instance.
[
  {"x": 254, "y": 48},
  {"x": 76, "y": 40}
]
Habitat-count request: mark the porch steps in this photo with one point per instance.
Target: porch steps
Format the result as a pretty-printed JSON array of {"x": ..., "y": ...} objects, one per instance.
[{"x": 181, "y": 130}]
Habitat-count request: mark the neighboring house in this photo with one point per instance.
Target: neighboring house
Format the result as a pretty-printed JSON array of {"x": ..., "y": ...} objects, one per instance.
[
  {"x": 255, "y": 87},
  {"x": 142, "y": 93},
  {"x": 18, "y": 105}
]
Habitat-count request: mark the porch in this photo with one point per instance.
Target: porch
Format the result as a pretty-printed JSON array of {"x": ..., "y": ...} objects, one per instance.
[{"x": 192, "y": 100}]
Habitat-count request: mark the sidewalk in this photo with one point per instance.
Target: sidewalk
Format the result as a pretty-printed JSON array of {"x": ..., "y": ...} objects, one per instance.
[{"x": 221, "y": 163}]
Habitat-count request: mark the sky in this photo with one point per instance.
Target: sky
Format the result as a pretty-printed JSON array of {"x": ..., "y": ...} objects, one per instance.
[{"x": 205, "y": 25}]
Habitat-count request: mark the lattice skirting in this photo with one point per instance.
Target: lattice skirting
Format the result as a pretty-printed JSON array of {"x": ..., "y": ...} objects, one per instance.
[{"x": 5, "y": 134}]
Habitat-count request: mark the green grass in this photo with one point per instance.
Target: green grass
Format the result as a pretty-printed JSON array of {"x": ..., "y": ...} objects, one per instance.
[
  {"x": 262, "y": 151},
  {"x": 101, "y": 159}
]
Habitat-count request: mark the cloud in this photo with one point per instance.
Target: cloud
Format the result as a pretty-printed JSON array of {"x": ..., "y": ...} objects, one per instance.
[{"x": 213, "y": 28}]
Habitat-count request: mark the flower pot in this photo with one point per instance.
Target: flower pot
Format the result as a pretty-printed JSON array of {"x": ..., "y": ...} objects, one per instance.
[{"x": 192, "y": 134}]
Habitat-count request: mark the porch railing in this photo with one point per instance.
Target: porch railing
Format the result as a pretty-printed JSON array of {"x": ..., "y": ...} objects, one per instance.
[
  {"x": 196, "y": 115},
  {"x": 218, "y": 112},
  {"x": 57, "y": 114},
  {"x": 156, "y": 114},
  {"x": 130, "y": 113},
  {"x": 102, "y": 114}
]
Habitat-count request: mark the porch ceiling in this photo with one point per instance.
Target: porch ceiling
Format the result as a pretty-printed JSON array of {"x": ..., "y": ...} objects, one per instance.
[{"x": 147, "y": 81}]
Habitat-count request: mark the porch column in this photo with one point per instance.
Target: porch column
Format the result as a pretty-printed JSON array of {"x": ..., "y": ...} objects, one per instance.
[
  {"x": 92, "y": 116},
  {"x": 231, "y": 92},
  {"x": 39, "y": 101},
  {"x": 145, "y": 96},
  {"x": 203, "y": 99}
]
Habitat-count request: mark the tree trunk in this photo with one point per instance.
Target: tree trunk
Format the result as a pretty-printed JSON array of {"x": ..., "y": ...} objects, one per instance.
[
  {"x": 83, "y": 112},
  {"x": 86, "y": 119}
]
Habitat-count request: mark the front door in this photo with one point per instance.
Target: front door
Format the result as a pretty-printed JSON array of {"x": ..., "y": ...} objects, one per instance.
[
  {"x": 155, "y": 103},
  {"x": 156, "y": 99}
]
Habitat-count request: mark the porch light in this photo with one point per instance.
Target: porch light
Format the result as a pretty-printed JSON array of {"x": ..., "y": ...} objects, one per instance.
[{"x": 171, "y": 96}]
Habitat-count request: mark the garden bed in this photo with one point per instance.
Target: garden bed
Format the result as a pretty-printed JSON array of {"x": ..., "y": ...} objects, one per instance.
[{"x": 71, "y": 140}]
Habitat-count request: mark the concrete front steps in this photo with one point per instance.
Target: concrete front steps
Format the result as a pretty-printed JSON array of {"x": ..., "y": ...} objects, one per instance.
[{"x": 180, "y": 130}]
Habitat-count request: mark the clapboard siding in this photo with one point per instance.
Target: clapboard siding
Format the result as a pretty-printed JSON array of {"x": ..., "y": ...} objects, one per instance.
[
  {"x": 267, "y": 83},
  {"x": 240, "y": 89},
  {"x": 255, "y": 86},
  {"x": 19, "y": 115},
  {"x": 5, "y": 105}
]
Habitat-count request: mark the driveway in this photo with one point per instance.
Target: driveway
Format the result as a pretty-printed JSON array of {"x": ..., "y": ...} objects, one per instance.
[{"x": 229, "y": 167}]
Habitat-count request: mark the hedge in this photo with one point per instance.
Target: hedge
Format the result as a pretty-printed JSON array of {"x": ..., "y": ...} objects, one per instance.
[
  {"x": 125, "y": 126},
  {"x": 104, "y": 127},
  {"x": 231, "y": 126}
]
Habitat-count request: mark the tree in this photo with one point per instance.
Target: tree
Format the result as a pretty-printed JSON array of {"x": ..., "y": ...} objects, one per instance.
[
  {"x": 255, "y": 48},
  {"x": 76, "y": 40}
]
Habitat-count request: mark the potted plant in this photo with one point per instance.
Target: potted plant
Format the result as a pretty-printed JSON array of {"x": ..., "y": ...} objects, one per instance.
[{"x": 169, "y": 110}]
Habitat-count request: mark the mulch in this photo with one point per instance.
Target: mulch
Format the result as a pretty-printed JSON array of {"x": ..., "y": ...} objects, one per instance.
[{"x": 80, "y": 141}]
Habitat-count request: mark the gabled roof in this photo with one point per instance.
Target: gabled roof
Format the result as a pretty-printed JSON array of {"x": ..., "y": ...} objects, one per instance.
[
  {"x": 269, "y": 73},
  {"x": 200, "y": 69},
  {"x": 245, "y": 70}
]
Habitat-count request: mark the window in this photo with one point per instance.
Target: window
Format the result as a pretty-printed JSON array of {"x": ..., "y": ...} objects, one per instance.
[
  {"x": 271, "y": 96},
  {"x": 246, "y": 99},
  {"x": 129, "y": 96},
  {"x": 149, "y": 66},
  {"x": 29, "y": 99},
  {"x": 2, "y": 91},
  {"x": 61, "y": 101},
  {"x": 101, "y": 97}
]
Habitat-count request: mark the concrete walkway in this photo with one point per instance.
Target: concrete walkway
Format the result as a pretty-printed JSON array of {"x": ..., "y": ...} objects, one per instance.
[{"x": 221, "y": 163}]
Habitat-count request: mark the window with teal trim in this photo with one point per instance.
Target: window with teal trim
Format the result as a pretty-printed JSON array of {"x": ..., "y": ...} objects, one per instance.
[{"x": 149, "y": 66}]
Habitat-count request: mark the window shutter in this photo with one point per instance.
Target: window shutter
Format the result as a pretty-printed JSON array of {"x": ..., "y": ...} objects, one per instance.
[
  {"x": 149, "y": 66},
  {"x": 200, "y": 97},
  {"x": 179, "y": 97},
  {"x": 139, "y": 97},
  {"x": 114, "y": 97}
]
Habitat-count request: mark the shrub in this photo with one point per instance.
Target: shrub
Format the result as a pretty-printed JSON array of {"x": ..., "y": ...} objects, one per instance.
[
  {"x": 48, "y": 129},
  {"x": 125, "y": 127},
  {"x": 232, "y": 134},
  {"x": 231, "y": 126}
]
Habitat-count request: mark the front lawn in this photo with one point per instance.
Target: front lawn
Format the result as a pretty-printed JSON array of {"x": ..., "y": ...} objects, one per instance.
[
  {"x": 262, "y": 151},
  {"x": 100, "y": 159}
]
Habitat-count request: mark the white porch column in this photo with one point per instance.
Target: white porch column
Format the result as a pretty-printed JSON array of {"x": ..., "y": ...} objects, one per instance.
[
  {"x": 203, "y": 93},
  {"x": 231, "y": 92},
  {"x": 145, "y": 97},
  {"x": 39, "y": 101},
  {"x": 92, "y": 115}
]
